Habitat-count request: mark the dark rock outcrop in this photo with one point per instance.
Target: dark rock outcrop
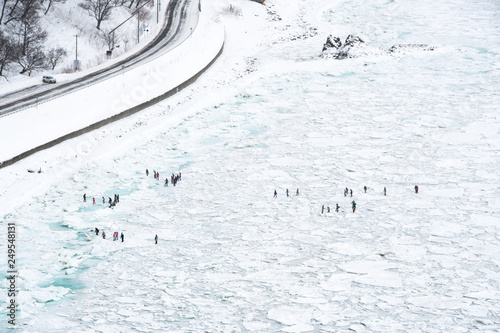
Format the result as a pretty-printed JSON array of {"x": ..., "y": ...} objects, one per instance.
[
  {"x": 403, "y": 48},
  {"x": 355, "y": 47}
]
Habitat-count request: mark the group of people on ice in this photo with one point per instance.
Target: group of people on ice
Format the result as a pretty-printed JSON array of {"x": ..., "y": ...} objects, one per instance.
[
  {"x": 115, "y": 235},
  {"x": 287, "y": 193},
  {"x": 111, "y": 202},
  {"x": 173, "y": 179},
  {"x": 353, "y": 203}
]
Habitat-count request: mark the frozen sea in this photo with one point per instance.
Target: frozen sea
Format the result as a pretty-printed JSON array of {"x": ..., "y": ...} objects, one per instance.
[{"x": 230, "y": 256}]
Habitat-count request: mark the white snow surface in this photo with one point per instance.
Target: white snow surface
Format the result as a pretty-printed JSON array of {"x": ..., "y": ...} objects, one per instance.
[{"x": 272, "y": 114}]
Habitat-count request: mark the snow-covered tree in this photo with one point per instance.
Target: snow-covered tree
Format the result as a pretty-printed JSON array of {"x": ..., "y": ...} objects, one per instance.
[
  {"x": 99, "y": 9},
  {"x": 22, "y": 9},
  {"x": 8, "y": 52},
  {"x": 55, "y": 55},
  {"x": 29, "y": 33},
  {"x": 48, "y": 4},
  {"x": 35, "y": 59}
]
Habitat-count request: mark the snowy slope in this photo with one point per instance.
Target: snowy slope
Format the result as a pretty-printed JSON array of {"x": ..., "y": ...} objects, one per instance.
[{"x": 64, "y": 21}]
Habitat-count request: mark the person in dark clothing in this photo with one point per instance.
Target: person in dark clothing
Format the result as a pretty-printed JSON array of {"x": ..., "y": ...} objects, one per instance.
[
  {"x": 122, "y": 237},
  {"x": 416, "y": 189},
  {"x": 147, "y": 172},
  {"x": 96, "y": 231},
  {"x": 156, "y": 239},
  {"x": 275, "y": 193},
  {"x": 385, "y": 191},
  {"x": 84, "y": 197},
  {"x": 365, "y": 189}
]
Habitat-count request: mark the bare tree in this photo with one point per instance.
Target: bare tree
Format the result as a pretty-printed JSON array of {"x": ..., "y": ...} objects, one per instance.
[
  {"x": 144, "y": 15},
  {"x": 35, "y": 59},
  {"x": 139, "y": 2},
  {"x": 8, "y": 52},
  {"x": 55, "y": 55},
  {"x": 10, "y": 6},
  {"x": 49, "y": 4},
  {"x": 109, "y": 39},
  {"x": 6, "y": 4},
  {"x": 29, "y": 33},
  {"x": 24, "y": 27},
  {"x": 99, "y": 9},
  {"x": 23, "y": 9}
]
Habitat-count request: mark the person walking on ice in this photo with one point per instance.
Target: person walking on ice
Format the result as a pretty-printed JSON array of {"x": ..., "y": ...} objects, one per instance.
[
  {"x": 416, "y": 189},
  {"x": 322, "y": 209},
  {"x": 122, "y": 237},
  {"x": 365, "y": 188},
  {"x": 337, "y": 208},
  {"x": 166, "y": 181},
  {"x": 275, "y": 193},
  {"x": 287, "y": 193},
  {"x": 297, "y": 192},
  {"x": 353, "y": 206},
  {"x": 156, "y": 239},
  {"x": 147, "y": 172},
  {"x": 385, "y": 191}
]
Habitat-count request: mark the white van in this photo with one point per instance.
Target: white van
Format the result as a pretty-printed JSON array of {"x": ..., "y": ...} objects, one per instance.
[{"x": 49, "y": 79}]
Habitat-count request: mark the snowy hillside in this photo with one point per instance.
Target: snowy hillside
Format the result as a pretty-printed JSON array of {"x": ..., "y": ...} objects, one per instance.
[
  {"x": 66, "y": 20},
  {"x": 273, "y": 114}
]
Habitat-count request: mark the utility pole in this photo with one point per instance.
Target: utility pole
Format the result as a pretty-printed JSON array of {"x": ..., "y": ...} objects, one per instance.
[
  {"x": 76, "y": 62},
  {"x": 76, "y": 58}
]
